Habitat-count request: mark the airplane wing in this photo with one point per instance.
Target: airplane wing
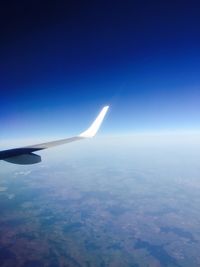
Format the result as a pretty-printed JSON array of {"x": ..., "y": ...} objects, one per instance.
[{"x": 25, "y": 155}]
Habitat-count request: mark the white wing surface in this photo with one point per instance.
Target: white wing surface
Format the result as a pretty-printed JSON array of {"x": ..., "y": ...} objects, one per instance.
[{"x": 25, "y": 155}]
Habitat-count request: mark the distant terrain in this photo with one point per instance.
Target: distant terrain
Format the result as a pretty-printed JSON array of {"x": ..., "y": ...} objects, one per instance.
[{"x": 117, "y": 204}]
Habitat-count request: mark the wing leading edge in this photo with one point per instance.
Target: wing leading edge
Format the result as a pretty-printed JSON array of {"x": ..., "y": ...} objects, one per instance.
[{"x": 25, "y": 155}]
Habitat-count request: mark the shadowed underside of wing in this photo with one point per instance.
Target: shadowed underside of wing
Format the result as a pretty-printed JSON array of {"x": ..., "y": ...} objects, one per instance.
[
  {"x": 24, "y": 159},
  {"x": 25, "y": 155}
]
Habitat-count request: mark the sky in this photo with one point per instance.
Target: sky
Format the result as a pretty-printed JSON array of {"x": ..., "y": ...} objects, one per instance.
[{"x": 61, "y": 61}]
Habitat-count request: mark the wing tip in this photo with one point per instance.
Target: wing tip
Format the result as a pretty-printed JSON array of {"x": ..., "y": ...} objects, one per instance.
[{"x": 93, "y": 129}]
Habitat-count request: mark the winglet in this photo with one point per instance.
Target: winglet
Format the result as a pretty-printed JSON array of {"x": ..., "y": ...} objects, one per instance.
[{"x": 92, "y": 130}]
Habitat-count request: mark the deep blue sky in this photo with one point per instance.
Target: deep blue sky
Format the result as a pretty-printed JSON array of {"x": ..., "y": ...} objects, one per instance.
[{"x": 60, "y": 61}]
